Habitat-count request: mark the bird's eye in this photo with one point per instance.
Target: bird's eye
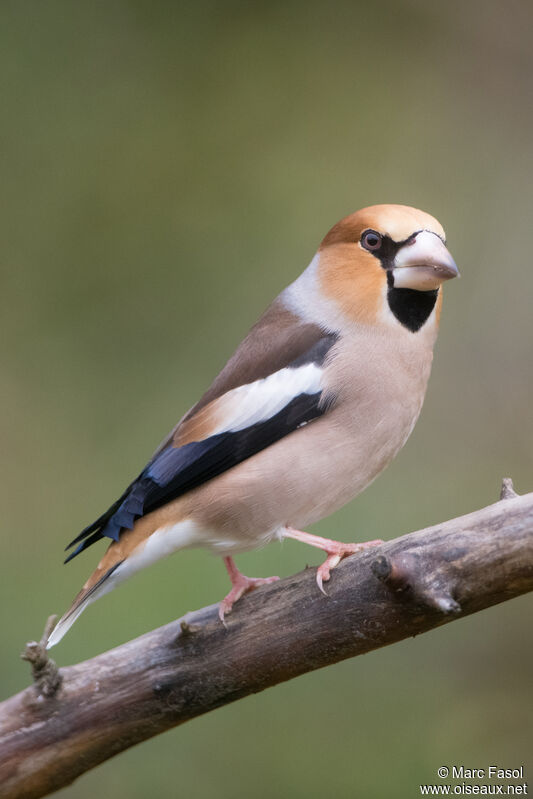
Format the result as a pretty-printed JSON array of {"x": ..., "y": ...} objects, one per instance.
[{"x": 371, "y": 240}]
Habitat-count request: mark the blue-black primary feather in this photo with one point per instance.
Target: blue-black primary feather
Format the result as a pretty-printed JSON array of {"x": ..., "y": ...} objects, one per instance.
[{"x": 176, "y": 470}]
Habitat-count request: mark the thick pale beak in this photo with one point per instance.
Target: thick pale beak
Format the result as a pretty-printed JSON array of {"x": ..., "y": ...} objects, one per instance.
[{"x": 424, "y": 264}]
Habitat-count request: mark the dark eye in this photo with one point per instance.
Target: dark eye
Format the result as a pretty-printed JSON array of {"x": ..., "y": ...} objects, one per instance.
[{"x": 371, "y": 240}]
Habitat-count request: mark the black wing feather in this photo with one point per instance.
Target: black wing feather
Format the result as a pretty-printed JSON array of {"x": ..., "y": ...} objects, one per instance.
[{"x": 176, "y": 470}]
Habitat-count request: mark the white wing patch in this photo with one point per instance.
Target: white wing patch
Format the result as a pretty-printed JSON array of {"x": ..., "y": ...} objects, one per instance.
[{"x": 257, "y": 402}]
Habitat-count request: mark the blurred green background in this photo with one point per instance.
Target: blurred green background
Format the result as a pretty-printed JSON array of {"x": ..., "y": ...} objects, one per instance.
[{"x": 168, "y": 167}]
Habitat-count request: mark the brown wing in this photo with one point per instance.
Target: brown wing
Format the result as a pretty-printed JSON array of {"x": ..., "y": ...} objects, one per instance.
[{"x": 276, "y": 340}]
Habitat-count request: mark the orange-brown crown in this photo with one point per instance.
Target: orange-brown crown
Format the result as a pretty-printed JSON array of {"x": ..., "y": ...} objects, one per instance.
[{"x": 396, "y": 221}]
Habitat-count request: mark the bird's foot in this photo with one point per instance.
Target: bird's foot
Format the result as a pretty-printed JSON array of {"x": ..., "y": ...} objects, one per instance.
[
  {"x": 240, "y": 585},
  {"x": 335, "y": 550}
]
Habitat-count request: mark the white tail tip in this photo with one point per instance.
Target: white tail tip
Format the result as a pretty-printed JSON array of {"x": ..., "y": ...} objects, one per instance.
[{"x": 64, "y": 624}]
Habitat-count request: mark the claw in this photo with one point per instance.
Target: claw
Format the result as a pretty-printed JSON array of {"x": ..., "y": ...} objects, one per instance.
[
  {"x": 335, "y": 550},
  {"x": 240, "y": 585},
  {"x": 323, "y": 572}
]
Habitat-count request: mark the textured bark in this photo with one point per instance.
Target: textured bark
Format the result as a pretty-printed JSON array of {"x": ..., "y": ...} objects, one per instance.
[{"x": 69, "y": 722}]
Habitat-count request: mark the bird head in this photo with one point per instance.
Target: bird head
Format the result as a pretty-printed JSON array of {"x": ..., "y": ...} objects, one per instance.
[{"x": 386, "y": 259}]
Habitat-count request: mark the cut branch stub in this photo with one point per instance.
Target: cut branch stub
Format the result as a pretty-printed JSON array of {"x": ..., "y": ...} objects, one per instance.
[
  {"x": 507, "y": 490},
  {"x": 187, "y": 629},
  {"x": 403, "y": 574}
]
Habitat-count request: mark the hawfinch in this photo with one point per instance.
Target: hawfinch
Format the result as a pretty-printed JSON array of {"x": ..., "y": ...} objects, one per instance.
[{"x": 315, "y": 402}]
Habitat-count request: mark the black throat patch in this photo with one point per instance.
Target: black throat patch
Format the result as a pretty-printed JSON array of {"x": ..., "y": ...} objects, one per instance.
[{"x": 410, "y": 307}]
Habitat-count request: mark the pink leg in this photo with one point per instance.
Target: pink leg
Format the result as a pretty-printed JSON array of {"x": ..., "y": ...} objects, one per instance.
[
  {"x": 336, "y": 551},
  {"x": 241, "y": 585}
]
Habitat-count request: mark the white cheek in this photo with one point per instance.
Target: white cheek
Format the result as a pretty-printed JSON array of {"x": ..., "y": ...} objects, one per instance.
[{"x": 305, "y": 298}]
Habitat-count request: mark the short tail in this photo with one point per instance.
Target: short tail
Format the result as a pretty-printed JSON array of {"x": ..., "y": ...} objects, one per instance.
[
  {"x": 136, "y": 549},
  {"x": 86, "y": 597}
]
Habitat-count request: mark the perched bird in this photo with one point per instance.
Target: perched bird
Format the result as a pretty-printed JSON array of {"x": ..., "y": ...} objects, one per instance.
[{"x": 318, "y": 398}]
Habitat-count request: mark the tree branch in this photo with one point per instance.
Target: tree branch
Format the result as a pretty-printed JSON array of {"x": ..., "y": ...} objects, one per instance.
[{"x": 51, "y": 735}]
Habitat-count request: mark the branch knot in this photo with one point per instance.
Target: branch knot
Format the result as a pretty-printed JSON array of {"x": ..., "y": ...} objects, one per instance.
[
  {"x": 403, "y": 575},
  {"x": 46, "y": 675}
]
